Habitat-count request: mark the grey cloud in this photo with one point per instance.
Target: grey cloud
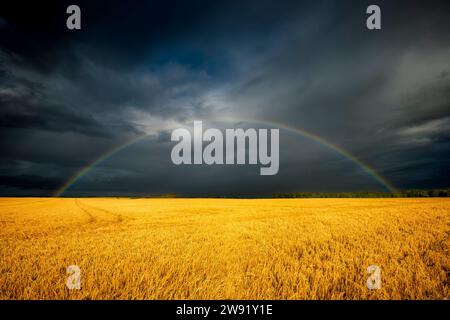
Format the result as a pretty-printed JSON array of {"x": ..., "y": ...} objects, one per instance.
[
  {"x": 26, "y": 107},
  {"x": 33, "y": 182},
  {"x": 381, "y": 96}
]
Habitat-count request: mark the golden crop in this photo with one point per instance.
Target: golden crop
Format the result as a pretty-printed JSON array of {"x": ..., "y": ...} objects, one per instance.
[{"x": 224, "y": 249}]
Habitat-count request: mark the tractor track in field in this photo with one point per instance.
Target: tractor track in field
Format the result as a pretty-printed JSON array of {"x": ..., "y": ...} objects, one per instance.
[
  {"x": 90, "y": 211},
  {"x": 97, "y": 219},
  {"x": 92, "y": 218}
]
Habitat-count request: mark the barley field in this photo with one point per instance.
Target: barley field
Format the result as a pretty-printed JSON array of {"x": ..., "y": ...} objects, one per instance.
[{"x": 224, "y": 248}]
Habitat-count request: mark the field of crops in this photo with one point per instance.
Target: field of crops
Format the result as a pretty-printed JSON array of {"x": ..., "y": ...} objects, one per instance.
[{"x": 224, "y": 248}]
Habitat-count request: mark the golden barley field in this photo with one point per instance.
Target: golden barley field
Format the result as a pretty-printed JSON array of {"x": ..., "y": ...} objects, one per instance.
[{"x": 224, "y": 248}]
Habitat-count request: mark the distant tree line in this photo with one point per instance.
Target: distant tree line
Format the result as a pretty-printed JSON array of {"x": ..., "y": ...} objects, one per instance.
[
  {"x": 398, "y": 194},
  {"x": 362, "y": 194}
]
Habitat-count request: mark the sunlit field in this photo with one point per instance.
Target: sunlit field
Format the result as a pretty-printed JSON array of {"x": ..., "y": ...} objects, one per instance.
[{"x": 224, "y": 248}]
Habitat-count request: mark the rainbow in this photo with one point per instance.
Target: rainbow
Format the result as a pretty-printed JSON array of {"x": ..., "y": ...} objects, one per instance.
[{"x": 367, "y": 168}]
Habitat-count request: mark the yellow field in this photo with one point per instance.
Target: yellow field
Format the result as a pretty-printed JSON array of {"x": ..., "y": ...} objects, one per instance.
[{"x": 224, "y": 249}]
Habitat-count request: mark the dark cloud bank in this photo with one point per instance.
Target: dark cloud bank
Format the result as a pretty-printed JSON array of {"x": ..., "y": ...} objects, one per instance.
[{"x": 67, "y": 97}]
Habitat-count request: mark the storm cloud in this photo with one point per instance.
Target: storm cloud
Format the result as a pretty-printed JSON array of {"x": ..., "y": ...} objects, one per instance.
[{"x": 67, "y": 98}]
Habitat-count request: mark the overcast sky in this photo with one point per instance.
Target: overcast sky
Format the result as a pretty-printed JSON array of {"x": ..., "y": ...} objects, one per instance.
[{"x": 69, "y": 97}]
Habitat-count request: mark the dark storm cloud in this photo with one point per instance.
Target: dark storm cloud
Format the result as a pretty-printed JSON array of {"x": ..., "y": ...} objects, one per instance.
[
  {"x": 33, "y": 182},
  {"x": 23, "y": 111},
  {"x": 67, "y": 97},
  {"x": 362, "y": 90}
]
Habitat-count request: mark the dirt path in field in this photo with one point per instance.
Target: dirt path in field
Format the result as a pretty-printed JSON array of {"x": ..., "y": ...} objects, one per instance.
[
  {"x": 97, "y": 215},
  {"x": 92, "y": 218}
]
